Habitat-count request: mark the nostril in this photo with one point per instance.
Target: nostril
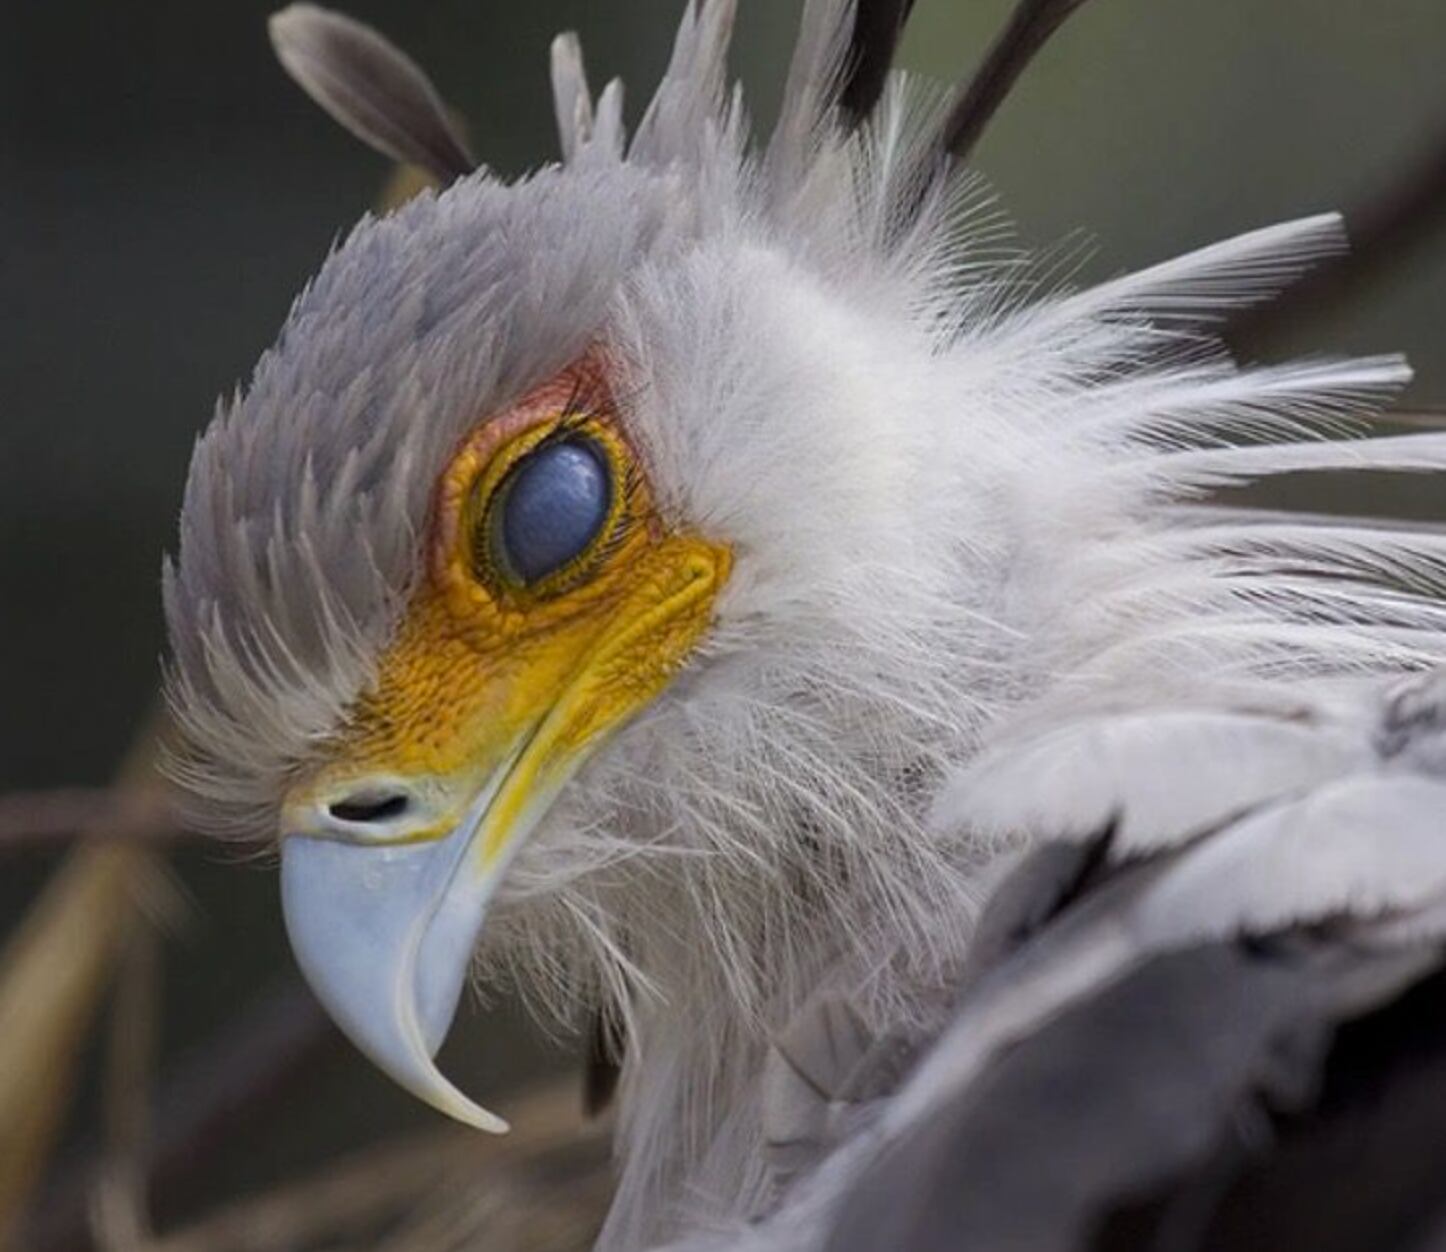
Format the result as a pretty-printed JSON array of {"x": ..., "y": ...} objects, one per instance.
[{"x": 382, "y": 806}]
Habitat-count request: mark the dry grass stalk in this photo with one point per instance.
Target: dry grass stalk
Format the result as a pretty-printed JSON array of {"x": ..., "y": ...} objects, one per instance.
[
  {"x": 53, "y": 971},
  {"x": 120, "y": 1218},
  {"x": 42, "y": 818}
]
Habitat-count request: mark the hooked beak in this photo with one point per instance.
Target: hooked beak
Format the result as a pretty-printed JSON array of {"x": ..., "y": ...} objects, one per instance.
[
  {"x": 386, "y": 879},
  {"x": 384, "y": 933}
]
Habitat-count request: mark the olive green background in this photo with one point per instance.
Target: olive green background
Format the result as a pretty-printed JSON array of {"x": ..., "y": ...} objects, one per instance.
[{"x": 164, "y": 190}]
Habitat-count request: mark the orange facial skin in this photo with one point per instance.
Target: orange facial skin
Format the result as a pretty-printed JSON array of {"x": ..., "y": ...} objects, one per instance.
[{"x": 483, "y": 670}]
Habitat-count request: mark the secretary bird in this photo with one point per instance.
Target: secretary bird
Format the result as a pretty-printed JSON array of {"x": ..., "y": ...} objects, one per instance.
[{"x": 722, "y": 588}]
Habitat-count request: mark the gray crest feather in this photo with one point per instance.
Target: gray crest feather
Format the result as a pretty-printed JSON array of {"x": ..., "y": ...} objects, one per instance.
[
  {"x": 1028, "y": 29},
  {"x": 570, "y": 95},
  {"x": 878, "y": 27},
  {"x": 370, "y": 87},
  {"x": 691, "y": 98}
]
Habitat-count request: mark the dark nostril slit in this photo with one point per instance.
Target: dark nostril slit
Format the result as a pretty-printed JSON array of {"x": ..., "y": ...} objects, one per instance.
[{"x": 381, "y": 808}]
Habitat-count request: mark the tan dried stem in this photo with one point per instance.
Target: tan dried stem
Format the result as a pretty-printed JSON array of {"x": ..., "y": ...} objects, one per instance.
[{"x": 53, "y": 971}]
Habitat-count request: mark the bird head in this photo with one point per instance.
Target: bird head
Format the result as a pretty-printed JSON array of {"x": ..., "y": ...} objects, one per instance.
[{"x": 586, "y": 571}]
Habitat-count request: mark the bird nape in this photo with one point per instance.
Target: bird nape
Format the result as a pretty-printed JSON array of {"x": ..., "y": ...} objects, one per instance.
[{"x": 711, "y": 584}]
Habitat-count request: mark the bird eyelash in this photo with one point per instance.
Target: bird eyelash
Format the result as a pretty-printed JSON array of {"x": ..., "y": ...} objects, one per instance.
[{"x": 581, "y": 413}]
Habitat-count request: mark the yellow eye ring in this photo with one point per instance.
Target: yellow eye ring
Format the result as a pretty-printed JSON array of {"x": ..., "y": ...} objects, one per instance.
[{"x": 491, "y": 599}]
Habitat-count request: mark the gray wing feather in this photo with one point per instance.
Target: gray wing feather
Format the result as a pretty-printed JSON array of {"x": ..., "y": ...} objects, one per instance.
[
  {"x": 1162, "y": 778},
  {"x": 1362, "y": 848},
  {"x": 1110, "y": 1099},
  {"x": 1213, "y": 1025},
  {"x": 1047, "y": 879}
]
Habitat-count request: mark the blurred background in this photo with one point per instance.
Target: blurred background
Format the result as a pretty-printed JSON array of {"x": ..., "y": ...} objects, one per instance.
[{"x": 164, "y": 191}]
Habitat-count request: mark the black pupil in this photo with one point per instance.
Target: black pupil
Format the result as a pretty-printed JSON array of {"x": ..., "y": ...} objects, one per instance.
[{"x": 553, "y": 505}]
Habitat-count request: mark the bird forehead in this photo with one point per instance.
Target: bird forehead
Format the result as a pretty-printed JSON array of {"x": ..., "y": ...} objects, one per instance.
[{"x": 421, "y": 320}]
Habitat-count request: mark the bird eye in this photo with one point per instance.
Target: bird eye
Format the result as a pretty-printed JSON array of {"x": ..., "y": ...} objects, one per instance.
[{"x": 550, "y": 508}]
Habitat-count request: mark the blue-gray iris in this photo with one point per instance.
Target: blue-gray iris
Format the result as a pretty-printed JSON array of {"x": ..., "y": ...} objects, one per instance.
[{"x": 553, "y": 507}]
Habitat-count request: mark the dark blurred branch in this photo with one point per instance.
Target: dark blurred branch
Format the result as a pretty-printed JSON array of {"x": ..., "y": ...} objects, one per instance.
[
  {"x": 242, "y": 1073},
  {"x": 238, "y": 1077},
  {"x": 1384, "y": 230},
  {"x": 1029, "y": 29},
  {"x": 351, "y": 1198},
  {"x": 43, "y": 818}
]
